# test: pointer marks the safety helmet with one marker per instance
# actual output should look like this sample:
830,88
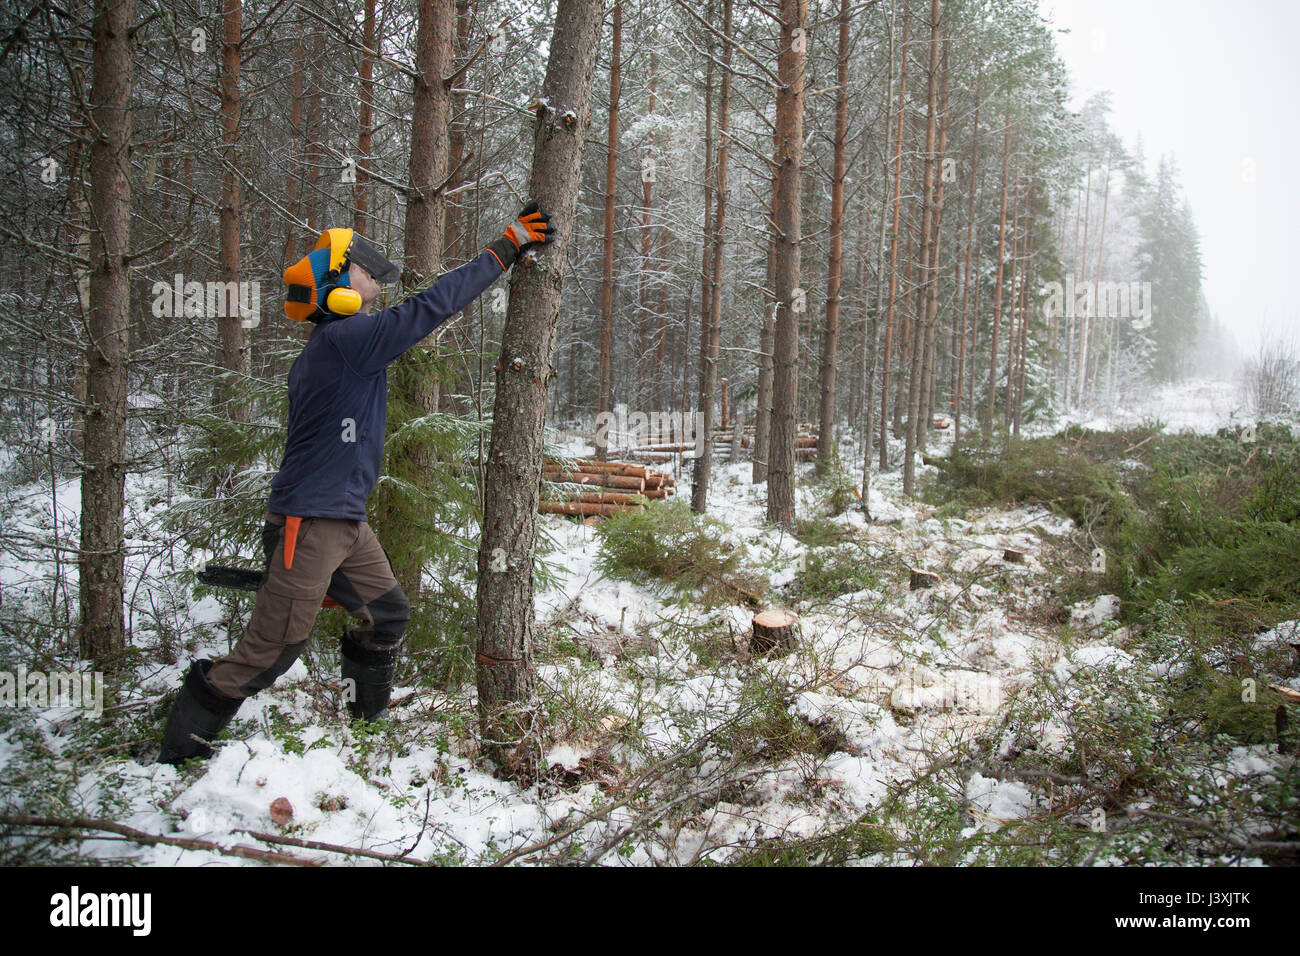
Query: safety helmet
319,287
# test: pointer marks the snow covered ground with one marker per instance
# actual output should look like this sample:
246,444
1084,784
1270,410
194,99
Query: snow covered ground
1200,406
657,711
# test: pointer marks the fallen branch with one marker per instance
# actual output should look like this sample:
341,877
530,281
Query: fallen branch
153,839
331,848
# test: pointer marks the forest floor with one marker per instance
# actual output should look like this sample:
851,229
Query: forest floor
878,739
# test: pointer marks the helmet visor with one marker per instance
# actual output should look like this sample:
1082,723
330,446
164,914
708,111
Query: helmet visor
372,260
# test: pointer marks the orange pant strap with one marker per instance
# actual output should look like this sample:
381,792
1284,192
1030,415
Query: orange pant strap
290,540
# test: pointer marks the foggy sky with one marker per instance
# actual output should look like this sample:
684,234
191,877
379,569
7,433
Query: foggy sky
1215,84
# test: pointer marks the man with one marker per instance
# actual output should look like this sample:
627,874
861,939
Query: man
316,539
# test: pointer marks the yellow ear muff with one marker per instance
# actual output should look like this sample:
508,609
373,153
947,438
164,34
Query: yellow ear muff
343,301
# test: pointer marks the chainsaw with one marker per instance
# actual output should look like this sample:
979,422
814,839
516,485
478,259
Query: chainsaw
244,579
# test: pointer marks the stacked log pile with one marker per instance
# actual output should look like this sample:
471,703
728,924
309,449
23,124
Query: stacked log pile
600,488
805,443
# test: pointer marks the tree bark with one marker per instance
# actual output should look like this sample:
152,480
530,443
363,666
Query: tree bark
929,275
785,347
403,524
997,288
365,120
831,340
509,718
893,251
102,631
766,333
234,338
959,395
930,369
652,373
604,398
711,342
293,186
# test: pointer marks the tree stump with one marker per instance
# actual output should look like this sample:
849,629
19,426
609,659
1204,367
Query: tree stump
773,631
1012,556
923,579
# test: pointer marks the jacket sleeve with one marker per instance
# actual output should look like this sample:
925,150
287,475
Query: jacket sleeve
370,342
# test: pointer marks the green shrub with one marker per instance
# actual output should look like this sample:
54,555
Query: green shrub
834,486
819,532
668,543
828,573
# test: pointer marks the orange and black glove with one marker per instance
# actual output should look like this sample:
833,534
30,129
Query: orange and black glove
532,228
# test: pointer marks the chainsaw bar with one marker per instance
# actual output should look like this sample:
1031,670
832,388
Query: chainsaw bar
243,579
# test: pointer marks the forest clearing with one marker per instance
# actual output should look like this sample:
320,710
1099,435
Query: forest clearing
646,433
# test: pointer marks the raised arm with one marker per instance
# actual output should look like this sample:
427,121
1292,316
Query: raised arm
372,341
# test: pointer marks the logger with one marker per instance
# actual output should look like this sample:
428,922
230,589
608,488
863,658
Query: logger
316,540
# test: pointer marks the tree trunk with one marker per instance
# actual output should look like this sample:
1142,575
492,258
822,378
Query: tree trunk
1101,249
1017,275
1026,316
893,251
929,370
959,395
869,399
402,523
1081,366
652,376
997,288
785,347
711,342
929,275
831,342
294,184
604,398
366,120
234,338
102,632
766,334
509,716
456,244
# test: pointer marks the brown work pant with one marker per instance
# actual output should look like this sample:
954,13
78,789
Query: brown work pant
336,557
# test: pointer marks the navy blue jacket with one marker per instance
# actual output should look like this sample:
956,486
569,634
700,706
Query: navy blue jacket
338,396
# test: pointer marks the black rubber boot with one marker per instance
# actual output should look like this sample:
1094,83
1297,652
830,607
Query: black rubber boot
199,714
371,672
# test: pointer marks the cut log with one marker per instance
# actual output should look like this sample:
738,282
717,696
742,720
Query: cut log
582,508
672,446
600,497
1288,692
923,579
774,631
626,482
1012,556
806,441
598,468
